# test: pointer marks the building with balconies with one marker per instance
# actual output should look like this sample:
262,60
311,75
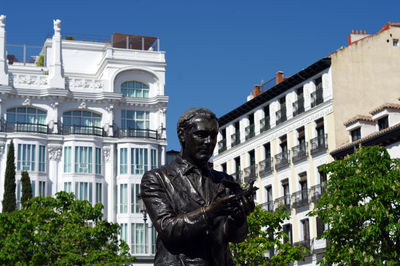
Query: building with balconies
87,117
289,125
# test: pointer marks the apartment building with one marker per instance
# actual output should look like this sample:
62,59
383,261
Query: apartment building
289,126
87,117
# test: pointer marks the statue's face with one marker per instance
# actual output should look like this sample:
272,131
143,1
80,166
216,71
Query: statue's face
200,140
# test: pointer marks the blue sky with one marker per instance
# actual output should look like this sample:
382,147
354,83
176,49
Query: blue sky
216,50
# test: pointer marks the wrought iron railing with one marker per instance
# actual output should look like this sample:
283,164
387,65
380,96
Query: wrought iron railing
82,130
316,192
265,124
25,127
221,145
298,106
300,198
249,131
283,201
266,166
250,174
317,97
281,159
235,139
138,133
319,143
281,116
299,152
237,177
268,206
303,243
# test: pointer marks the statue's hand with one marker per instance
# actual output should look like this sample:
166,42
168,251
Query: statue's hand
222,206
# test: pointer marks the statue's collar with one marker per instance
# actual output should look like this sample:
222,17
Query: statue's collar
185,166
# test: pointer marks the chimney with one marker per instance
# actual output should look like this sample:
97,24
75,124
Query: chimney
256,90
279,77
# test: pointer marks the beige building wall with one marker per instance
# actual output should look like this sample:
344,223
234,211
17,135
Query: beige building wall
364,75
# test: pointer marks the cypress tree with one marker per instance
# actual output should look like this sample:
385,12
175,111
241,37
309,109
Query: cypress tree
9,200
26,187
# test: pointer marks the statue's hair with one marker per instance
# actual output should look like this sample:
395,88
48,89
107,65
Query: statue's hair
186,119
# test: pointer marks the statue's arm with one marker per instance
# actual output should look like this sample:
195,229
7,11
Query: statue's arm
171,227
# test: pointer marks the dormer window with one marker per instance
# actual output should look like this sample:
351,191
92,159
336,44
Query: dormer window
383,123
135,89
356,134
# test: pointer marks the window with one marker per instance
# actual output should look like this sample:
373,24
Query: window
281,114
237,165
26,119
67,187
306,229
269,199
395,42
286,192
99,193
135,89
98,161
42,158
26,157
42,188
124,232
82,122
135,191
67,160
317,95
83,191
153,160
287,229
235,137
139,160
267,150
265,122
139,238
356,134
320,227
383,123
33,188
153,240
123,161
135,123
83,159
249,130
298,106
18,201
123,198
223,167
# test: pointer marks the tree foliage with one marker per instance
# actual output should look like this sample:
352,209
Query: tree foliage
362,208
26,187
61,231
266,234
9,199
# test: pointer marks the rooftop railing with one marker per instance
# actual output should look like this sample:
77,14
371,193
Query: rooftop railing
23,53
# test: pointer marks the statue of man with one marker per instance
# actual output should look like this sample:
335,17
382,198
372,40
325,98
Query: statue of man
196,211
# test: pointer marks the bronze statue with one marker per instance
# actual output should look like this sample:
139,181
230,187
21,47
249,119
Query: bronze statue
196,211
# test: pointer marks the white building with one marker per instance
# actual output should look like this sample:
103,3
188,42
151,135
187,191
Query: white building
90,119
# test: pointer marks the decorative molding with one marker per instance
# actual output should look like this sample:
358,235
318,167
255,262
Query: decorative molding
27,101
2,148
54,153
82,83
82,105
27,79
107,153
54,105
110,108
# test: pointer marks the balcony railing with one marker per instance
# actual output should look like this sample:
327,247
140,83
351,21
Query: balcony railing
25,127
264,124
316,192
268,206
299,152
138,133
281,159
221,145
249,131
300,198
319,144
250,174
266,167
281,116
317,97
237,177
283,201
303,243
235,139
82,130
298,106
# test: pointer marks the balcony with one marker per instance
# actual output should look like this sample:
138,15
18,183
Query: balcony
235,139
317,97
283,201
268,206
300,198
25,127
316,192
298,106
264,124
319,144
221,146
281,159
299,152
281,116
303,243
266,167
82,130
250,174
138,133
249,132
237,177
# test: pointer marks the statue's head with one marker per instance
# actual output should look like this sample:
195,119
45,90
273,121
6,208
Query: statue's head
197,130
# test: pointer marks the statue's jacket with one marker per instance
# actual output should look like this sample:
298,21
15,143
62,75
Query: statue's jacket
185,235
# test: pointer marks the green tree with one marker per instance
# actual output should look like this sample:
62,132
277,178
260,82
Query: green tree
266,234
362,208
60,231
9,200
26,187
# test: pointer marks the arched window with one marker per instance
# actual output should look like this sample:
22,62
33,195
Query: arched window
26,119
82,122
135,89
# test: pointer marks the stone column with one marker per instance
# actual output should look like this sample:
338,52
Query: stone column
54,152
56,73
3,57
163,154
108,199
